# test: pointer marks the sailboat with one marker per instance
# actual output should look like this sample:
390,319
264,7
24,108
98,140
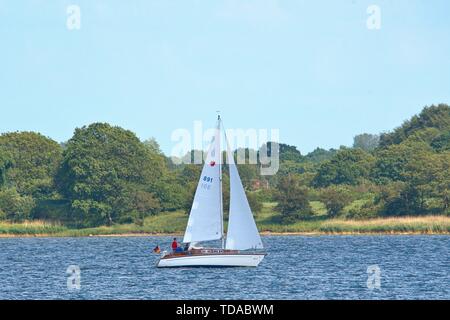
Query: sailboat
242,246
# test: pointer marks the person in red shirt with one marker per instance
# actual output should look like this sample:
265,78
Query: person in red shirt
174,244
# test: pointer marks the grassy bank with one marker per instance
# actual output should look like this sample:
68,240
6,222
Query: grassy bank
267,220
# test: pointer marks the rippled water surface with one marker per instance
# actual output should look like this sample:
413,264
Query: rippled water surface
297,267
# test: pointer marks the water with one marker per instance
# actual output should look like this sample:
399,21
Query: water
297,267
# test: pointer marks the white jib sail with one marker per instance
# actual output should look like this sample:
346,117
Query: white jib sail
242,231
205,219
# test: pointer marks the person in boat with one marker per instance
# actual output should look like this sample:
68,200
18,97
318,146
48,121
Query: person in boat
186,247
174,245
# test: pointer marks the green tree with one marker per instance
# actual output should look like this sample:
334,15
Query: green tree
391,162
292,198
441,185
137,204
398,198
153,145
172,195
188,178
418,175
254,202
428,175
34,160
5,164
366,141
442,141
190,173
348,166
15,207
286,152
103,171
335,199
248,174
320,155
431,117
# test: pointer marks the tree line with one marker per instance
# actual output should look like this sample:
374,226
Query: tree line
403,172
105,175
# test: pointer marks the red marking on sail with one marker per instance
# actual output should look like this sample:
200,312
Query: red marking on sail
212,163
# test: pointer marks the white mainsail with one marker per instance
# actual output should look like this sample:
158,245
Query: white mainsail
242,231
206,218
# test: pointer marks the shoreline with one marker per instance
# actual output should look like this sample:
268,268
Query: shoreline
264,233
174,224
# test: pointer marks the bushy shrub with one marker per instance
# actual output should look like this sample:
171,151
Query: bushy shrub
335,199
14,206
265,195
397,199
292,198
254,202
367,211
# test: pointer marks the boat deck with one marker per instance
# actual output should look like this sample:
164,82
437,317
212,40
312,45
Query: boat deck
209,251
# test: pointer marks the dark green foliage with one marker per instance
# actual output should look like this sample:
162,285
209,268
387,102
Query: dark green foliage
292,198
249,174
367,142
399,198
335,199
153,146
391,162
265,195
254,202
34,160
441,142
367,211
106,173
5,164
423,177
320,155
286,152
437,117
53,210
171,194
189,174
136,204
188,179
15,207
348,166
187,202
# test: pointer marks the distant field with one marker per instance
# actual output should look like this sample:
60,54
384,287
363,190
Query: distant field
267,221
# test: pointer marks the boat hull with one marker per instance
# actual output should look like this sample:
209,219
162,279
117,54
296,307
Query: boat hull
212,260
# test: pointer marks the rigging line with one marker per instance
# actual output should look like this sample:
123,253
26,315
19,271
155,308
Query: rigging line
228,150
221,183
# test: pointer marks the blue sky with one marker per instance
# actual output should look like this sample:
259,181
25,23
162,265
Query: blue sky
309,68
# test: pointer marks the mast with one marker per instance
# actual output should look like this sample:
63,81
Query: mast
220,185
